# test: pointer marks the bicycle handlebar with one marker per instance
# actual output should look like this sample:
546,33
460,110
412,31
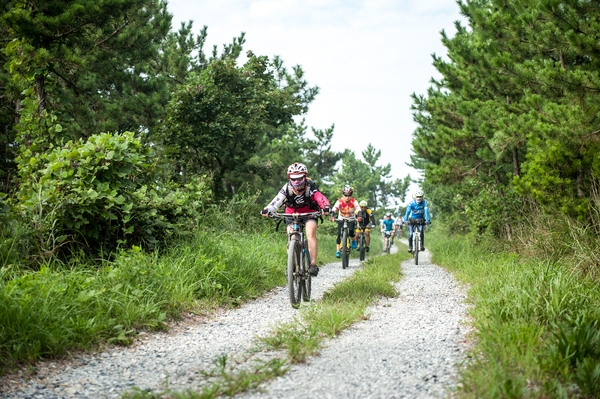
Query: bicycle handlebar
348,218
278,215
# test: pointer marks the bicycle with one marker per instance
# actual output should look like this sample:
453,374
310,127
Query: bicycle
387,240
416,239
346,244
298,279
362,241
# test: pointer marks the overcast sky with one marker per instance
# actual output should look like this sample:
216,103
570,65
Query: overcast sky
366,56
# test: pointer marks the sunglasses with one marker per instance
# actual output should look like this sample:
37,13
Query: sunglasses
297,179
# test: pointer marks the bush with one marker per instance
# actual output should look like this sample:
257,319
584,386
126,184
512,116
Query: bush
102,192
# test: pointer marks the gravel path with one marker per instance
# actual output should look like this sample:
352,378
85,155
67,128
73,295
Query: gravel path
409,348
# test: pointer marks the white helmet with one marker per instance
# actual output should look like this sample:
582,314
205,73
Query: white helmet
419,196
297,169
363,203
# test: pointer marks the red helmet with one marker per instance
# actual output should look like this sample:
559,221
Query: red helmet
347,190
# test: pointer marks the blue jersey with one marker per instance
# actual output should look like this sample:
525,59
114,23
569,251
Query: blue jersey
389,224
417,211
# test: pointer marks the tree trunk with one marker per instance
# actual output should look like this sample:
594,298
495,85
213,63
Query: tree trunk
40,88
580,190
516,165
507,226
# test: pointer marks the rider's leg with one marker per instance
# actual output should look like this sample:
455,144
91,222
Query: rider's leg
338,240
422,232
368,237
392,238
311,236
410,237
352,232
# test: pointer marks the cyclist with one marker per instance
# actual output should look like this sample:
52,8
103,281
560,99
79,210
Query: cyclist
300,195
387,224
417,209
366,219
398,225
346,206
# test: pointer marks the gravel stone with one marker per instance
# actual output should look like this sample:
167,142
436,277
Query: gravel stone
409,347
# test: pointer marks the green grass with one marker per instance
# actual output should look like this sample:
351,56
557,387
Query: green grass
78,306
81,305
340,307
537,324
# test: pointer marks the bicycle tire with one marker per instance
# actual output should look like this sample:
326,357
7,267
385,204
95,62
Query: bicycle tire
362,246
416,245
345,254
307,281
294,277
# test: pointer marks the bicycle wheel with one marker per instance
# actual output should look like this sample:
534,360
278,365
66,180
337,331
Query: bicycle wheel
363,250
306,282
294,275
345,250
416,245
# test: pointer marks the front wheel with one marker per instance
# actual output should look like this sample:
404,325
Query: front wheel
416,246
294,273
345,250
307,282
362,247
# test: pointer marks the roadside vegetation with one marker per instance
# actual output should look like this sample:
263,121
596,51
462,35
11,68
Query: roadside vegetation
536,320
341,306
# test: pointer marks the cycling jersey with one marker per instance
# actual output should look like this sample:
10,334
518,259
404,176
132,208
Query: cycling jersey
388,224
417,211
367,217
346,206
307,201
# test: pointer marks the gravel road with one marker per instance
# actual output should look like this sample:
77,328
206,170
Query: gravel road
408,348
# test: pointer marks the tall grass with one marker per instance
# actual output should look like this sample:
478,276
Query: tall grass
77,306
537,323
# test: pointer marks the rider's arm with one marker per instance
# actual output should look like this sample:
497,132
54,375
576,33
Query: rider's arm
427,218
320,199
279,199
407,214
336,207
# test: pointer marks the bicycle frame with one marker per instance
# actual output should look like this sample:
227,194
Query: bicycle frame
346,247
299,280
417,232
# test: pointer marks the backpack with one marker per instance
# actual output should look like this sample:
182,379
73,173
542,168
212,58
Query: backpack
309,185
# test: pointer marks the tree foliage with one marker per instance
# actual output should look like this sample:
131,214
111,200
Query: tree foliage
217,120
515,116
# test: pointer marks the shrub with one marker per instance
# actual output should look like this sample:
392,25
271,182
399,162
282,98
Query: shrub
101,192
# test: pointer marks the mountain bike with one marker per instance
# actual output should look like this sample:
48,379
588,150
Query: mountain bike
387,241
298,279
346,241
362,241
417,233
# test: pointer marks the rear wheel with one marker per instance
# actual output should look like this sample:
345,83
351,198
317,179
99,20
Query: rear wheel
294,275
345,254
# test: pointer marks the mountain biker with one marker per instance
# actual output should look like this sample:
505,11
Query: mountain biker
346,206
300,195
387,224
366,217
398,225
417,209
